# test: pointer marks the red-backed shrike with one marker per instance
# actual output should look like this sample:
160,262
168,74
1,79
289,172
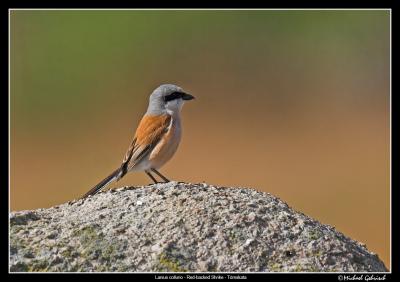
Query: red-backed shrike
157,136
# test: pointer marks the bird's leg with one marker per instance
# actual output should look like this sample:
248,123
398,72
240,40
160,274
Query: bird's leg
160,175
151,176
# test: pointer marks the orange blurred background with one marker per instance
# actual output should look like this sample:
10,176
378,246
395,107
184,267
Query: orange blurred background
294,103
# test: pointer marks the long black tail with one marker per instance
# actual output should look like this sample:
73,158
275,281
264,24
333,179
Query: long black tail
113,176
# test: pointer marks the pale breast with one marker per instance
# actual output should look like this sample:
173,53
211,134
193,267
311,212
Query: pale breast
167,146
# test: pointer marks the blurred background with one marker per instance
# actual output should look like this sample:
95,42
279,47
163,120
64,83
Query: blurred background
294,103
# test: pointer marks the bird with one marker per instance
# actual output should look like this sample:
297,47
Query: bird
156,139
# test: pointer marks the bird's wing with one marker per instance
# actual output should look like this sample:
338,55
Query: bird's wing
149,132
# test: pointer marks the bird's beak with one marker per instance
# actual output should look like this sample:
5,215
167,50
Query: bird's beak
186,96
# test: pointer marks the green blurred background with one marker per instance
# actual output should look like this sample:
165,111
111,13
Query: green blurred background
294,103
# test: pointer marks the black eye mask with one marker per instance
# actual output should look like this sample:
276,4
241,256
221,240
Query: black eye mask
177,95
173,96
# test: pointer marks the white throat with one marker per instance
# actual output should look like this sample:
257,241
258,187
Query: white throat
174,107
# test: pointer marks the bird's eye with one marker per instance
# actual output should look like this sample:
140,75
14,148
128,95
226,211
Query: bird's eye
172,96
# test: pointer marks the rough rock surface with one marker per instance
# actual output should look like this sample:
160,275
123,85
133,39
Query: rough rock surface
180,227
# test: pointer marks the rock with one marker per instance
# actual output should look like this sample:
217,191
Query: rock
180,227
